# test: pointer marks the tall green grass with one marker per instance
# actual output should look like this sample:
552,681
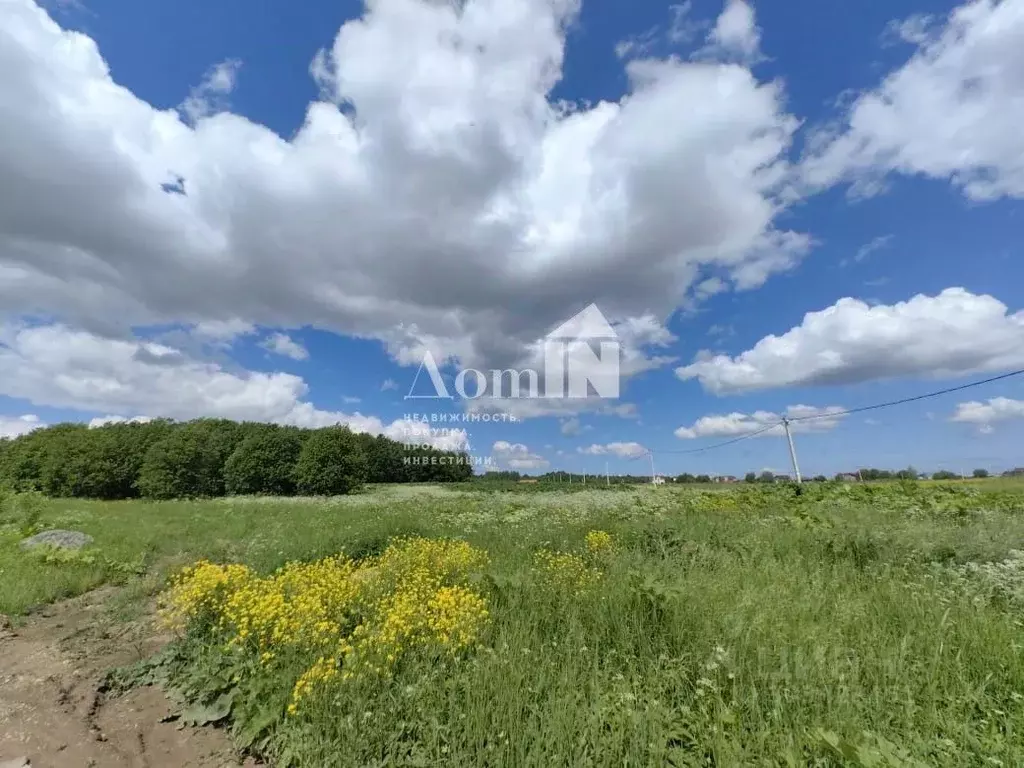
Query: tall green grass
711,642
835,629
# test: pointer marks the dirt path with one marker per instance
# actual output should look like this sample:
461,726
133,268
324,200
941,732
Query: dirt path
52,711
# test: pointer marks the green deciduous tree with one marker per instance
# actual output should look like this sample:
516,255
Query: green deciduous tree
189,460
331,463
113,458
384,459
264,462
60,453
205,457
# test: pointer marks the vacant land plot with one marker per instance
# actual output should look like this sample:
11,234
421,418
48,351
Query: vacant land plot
849,625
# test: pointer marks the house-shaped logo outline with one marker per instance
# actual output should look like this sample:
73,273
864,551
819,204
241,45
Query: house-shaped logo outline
588,323
580,332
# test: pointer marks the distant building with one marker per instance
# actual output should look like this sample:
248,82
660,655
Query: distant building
658,480
782,478
725,479
1018,472
847,477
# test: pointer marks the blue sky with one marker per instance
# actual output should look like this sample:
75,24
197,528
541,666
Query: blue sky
707,174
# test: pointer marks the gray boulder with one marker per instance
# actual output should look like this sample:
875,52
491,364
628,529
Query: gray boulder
59,539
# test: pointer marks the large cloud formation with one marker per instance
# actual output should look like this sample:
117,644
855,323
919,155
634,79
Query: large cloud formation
809,419
952,112
74,369
435,198
953,333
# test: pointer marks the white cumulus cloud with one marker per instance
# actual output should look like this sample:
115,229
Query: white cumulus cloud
283,344
953,111
622,450
735,34
64,368
517,456
210,95
13,426
439,196
953,333
738,424
985,415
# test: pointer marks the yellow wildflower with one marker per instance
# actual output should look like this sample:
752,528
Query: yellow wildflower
599,542
566,570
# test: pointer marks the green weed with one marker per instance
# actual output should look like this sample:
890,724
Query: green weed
856,625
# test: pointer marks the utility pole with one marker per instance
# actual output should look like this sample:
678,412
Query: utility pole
792,450
607,477
584,478
651,455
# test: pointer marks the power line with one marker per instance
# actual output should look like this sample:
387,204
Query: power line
831,415
739,439
834,414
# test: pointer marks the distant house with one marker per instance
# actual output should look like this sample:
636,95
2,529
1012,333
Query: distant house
726,479
782,478
847,477
658,480
1018,472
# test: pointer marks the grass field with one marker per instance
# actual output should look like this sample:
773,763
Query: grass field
852,625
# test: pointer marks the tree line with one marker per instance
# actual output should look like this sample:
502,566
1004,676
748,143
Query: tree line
557,478
870,474
163,459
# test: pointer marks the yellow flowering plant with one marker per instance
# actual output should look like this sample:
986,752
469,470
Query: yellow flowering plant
346,618
302,604
575,572
599,543
200,591
566,571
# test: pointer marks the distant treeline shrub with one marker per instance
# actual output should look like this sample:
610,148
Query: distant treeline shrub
212,457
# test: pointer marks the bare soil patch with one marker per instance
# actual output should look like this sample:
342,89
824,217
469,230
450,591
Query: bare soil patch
56,713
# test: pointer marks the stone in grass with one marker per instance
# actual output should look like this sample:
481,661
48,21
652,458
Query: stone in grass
58,539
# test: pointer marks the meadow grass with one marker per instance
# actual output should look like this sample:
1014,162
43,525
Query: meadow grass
730,627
